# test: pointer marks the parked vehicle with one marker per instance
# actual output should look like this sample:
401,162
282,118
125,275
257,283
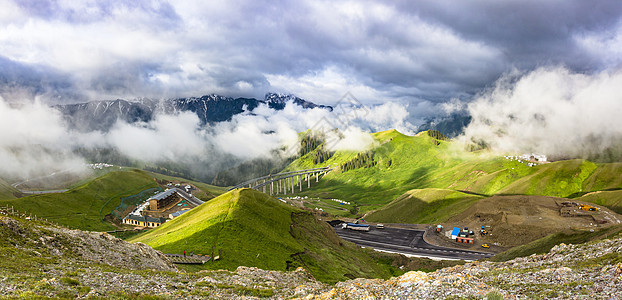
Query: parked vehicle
352,226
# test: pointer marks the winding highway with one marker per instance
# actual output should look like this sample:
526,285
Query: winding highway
405,241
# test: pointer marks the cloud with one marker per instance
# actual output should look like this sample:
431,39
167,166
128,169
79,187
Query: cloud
38,142
404,61
354,139
33,139
257,134
383,52
166,138
552,111
605,45
527,39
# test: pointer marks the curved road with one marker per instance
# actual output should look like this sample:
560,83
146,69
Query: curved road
41,192
28,192
405,241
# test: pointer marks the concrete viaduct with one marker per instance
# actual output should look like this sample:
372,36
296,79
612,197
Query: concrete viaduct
286,182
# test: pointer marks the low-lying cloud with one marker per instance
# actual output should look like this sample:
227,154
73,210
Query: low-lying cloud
32,139
552,111
39,142
167,137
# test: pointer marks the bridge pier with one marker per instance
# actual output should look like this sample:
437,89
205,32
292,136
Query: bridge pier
285,182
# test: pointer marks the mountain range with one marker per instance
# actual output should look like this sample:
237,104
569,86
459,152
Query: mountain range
102,115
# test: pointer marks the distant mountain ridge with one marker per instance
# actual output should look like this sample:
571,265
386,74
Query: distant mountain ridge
452,125
102,115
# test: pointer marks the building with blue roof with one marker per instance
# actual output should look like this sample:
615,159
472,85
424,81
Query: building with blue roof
455,232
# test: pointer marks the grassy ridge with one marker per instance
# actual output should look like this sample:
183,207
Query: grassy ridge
404,163
559,179
424,206
7,191
84,206
254,229
606,176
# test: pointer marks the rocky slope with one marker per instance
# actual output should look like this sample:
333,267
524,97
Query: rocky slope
35,239
587,271
43,260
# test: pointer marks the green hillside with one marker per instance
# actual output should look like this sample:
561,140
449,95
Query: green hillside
7,191
85,206
605,177
423,206
559,179
253,229
400,163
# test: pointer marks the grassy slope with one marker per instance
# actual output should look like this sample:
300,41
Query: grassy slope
244,223
6,190
254,229
424,206
84,206
411,159
560,179
605,177
418,162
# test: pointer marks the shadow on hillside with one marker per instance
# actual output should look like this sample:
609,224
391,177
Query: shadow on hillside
369,192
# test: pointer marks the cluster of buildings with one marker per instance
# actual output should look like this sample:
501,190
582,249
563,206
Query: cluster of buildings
462,235
99,166
531,159
162,207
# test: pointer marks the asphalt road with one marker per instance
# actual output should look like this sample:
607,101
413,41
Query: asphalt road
405,241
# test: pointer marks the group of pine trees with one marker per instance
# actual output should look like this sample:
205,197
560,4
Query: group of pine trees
309,142
321,155
437,136
362,160
313,141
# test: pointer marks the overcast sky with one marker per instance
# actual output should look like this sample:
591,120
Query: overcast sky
419,53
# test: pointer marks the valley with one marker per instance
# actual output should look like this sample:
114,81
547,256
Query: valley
310,150
412,192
